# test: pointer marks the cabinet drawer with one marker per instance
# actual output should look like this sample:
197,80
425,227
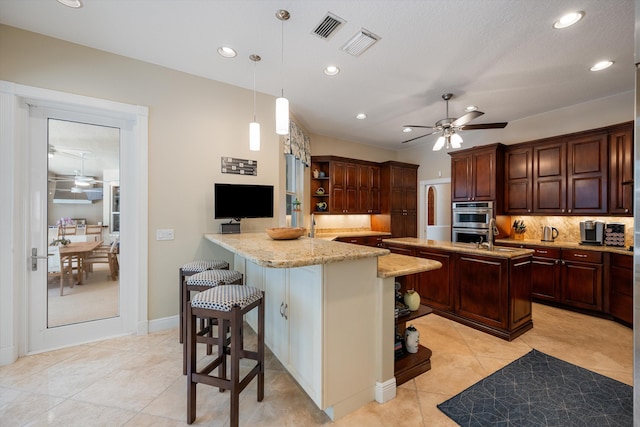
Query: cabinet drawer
582,256
622,261
544,252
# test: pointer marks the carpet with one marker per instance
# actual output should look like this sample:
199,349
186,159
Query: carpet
540,390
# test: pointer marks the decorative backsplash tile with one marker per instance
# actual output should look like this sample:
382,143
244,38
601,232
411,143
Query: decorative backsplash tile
568,226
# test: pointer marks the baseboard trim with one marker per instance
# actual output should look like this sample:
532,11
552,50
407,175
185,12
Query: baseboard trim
163,324
8,355
386,391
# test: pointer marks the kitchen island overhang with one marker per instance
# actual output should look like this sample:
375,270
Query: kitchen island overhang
329,313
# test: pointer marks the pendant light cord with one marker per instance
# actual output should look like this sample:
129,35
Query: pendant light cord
282,58
254,91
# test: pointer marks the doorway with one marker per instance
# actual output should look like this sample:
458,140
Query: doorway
23,314
435,216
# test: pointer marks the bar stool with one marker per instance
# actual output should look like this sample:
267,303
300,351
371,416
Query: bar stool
228,304
203,281
189,269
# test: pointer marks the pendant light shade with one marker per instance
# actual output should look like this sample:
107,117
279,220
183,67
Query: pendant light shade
448,139
456,141
439,144
282,103
254,136
254,126
282,116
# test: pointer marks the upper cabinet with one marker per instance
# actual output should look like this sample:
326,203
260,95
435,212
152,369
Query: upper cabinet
584,173
476,174
344,186
399,199
621,170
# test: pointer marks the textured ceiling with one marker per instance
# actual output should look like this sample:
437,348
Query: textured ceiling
501,55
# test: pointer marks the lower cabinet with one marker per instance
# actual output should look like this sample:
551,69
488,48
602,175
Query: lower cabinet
582,279
545,280
621,287
436,286
362,240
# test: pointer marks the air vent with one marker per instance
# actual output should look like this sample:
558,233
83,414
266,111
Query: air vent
328,25
362,41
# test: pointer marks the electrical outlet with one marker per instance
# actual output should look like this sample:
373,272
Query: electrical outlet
164,234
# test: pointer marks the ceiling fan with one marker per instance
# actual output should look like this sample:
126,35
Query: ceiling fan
79,179
449,127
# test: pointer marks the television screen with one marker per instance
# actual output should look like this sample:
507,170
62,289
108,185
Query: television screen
242,201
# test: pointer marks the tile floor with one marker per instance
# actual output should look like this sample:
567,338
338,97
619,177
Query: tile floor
137,381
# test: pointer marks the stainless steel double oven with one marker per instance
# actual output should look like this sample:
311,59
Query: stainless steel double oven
471,221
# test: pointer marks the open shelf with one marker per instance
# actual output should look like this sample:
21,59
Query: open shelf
410,365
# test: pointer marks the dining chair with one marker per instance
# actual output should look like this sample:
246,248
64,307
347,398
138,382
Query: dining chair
105,254
57,267
69,230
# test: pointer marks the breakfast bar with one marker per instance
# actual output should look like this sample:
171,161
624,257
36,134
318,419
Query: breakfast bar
329,315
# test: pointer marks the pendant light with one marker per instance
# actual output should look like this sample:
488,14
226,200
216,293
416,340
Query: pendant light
282,103
254,126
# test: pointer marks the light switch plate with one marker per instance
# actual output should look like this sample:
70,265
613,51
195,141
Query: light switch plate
164,234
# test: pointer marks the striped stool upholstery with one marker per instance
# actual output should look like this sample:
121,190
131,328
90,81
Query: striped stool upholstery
199,282
189,269
228,304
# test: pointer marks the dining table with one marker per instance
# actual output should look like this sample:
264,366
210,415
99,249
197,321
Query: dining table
78,251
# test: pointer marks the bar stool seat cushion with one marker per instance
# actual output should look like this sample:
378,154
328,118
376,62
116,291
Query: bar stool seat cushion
204,264
224,298
214,278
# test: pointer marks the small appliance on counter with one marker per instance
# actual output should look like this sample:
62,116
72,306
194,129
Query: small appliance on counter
614,234
549,233
592,233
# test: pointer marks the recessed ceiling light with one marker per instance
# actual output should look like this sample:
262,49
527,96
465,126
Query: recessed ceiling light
470,108
568,20
601,65
227,52
361,116
407,130
331,70
71,3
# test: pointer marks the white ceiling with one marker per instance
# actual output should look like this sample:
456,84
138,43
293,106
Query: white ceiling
501,55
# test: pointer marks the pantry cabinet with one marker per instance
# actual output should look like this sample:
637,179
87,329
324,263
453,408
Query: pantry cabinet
368,188
399,200
621,177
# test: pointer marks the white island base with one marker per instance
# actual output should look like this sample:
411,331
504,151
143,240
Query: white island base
329,315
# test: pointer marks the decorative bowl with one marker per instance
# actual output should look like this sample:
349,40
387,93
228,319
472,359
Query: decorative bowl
285,233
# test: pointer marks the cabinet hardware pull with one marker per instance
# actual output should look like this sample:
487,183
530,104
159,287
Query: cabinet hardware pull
556,261
286,308
563,262
281,309
579,255
542,252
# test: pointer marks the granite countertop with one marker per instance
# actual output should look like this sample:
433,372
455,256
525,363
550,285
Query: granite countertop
394,265
566,245
334,234
264,251
470,248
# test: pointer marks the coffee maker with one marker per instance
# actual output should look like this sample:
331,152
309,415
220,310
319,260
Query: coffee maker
592,233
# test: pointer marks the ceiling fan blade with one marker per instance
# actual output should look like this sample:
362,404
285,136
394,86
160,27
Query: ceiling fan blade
418,137
462,120
499,125
419,126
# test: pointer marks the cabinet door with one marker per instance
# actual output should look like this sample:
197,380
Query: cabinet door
621,287
545,280
621,171
484,176
461,178
482,284
518,176
434,286
549,178
338,190
368,189
587,174
582,279
305,328
276,325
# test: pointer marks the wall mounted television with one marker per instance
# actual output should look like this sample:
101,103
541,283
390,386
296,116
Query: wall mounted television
236,201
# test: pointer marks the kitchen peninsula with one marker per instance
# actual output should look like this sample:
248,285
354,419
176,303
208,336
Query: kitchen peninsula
329,315
486,289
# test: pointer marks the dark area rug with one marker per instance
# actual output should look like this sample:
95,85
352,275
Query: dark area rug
540,390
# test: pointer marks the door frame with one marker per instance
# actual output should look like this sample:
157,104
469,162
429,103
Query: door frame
422,202
14,216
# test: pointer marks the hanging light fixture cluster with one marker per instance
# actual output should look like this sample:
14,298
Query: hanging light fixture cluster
448,139
282,103
254,126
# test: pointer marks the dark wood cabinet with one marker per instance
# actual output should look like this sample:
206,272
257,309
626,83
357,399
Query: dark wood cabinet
518,192
546,273
435,286
368,188
399,200
587,174
362,240
344,187
620,284
549,177
621,170
582,279
477,174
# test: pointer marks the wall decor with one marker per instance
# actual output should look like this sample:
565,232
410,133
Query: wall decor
239,166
